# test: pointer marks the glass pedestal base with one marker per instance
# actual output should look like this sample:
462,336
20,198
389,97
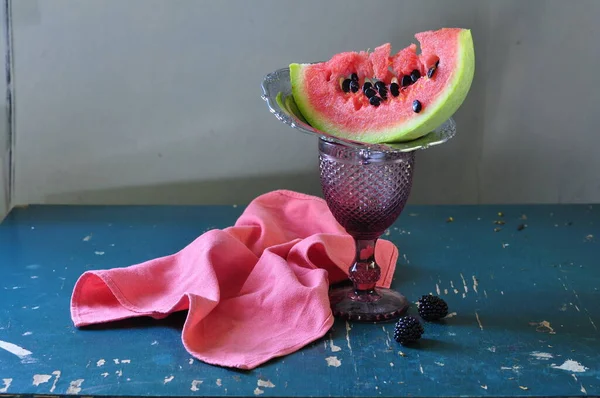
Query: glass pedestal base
378,305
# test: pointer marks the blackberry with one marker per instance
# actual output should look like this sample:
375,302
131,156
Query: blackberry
432,308
408,330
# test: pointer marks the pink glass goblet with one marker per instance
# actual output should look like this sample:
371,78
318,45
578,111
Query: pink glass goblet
366,190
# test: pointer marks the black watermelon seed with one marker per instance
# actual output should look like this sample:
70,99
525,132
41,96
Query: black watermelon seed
406,81
370,93
353,86
379,85
346,85
366,86
394,89
383,93
415,75
417,106
430,72
375,101
437,63
354,77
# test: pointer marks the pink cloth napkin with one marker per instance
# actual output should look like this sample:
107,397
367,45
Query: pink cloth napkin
254,291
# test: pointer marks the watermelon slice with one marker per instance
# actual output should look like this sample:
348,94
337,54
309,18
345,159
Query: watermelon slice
421,91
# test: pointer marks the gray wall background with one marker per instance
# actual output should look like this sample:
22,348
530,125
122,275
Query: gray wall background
4,128
147,101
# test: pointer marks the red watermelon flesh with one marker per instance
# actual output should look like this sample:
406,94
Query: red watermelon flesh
380,59
319,94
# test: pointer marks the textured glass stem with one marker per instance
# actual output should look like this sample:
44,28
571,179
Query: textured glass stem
365,272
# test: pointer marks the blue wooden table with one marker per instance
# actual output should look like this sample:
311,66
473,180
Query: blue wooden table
522,287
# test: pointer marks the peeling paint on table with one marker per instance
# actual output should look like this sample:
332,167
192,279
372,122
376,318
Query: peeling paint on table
41,379
522,297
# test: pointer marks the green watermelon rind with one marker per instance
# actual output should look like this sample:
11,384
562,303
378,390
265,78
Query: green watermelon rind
288,104
446,104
